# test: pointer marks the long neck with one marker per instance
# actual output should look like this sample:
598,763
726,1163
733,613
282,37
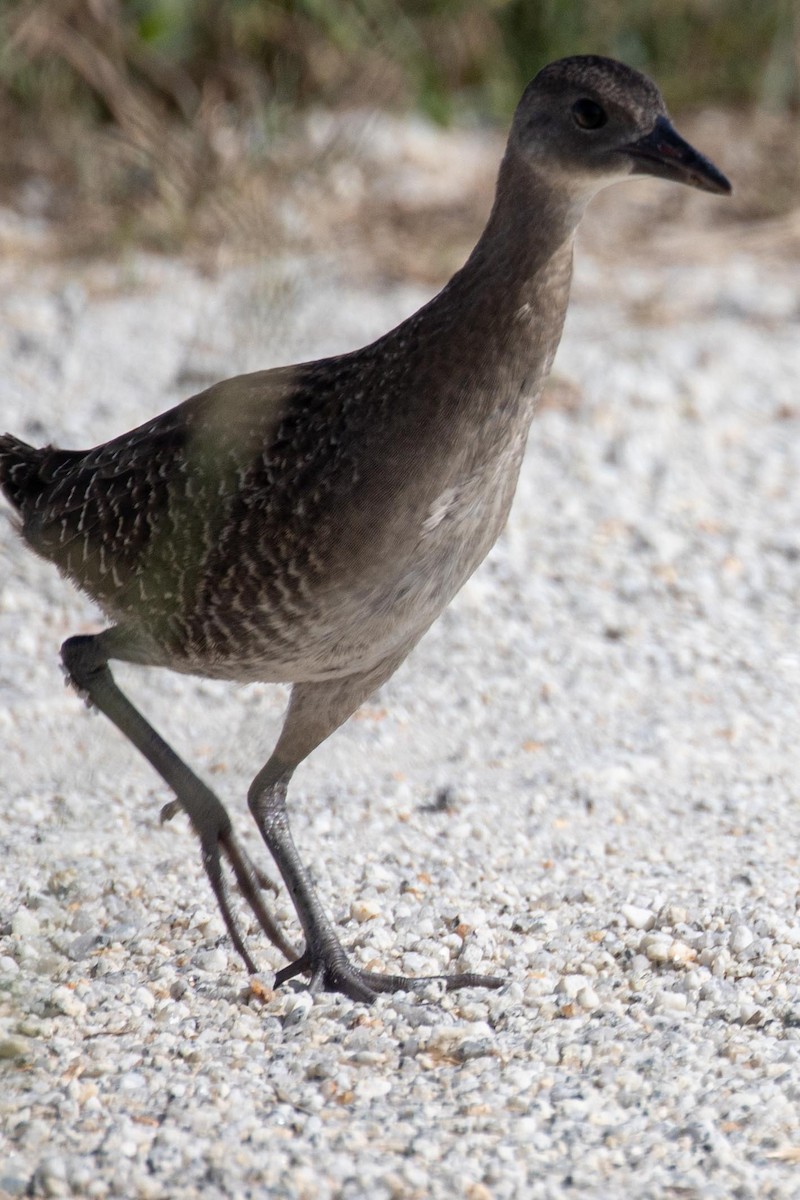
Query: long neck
531,222
497,323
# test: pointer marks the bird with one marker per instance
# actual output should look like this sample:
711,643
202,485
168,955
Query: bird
307,524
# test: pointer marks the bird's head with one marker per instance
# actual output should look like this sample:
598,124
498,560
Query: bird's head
588,121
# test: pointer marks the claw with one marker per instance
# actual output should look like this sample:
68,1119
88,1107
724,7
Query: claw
265,881
298,967
80,692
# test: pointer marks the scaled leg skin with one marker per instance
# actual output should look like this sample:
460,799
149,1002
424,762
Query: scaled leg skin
86,664
315,710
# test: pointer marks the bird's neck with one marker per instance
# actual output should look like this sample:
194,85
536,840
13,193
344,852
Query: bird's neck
502,314
533,220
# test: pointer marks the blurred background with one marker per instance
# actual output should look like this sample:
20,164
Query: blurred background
166,124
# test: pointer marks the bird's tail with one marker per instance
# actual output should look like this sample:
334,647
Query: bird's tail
19,465
26,472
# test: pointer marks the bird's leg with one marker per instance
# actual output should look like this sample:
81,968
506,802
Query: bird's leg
87,668
312,710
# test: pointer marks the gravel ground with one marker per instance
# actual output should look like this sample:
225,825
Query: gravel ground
585,779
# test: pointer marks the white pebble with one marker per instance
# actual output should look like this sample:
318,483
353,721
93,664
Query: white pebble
672,1001
297,1008
638,918
364,910
661,948
656,946
741,938
470,957
24,924
681,954
214,961
448,1038
144,997
570,985
64,1000
639,964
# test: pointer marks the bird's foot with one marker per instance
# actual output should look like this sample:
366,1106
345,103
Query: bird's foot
332,971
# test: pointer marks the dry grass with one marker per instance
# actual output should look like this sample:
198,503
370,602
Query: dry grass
411,213
215,171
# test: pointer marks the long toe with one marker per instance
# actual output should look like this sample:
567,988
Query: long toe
403,983
332,971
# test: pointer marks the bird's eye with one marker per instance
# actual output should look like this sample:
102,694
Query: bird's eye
587,114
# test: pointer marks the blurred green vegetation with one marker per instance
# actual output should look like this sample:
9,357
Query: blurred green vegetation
441,56
142,120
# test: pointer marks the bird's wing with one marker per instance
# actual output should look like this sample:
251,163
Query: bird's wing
97,514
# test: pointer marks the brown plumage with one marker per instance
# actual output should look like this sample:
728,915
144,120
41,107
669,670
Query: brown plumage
307,524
